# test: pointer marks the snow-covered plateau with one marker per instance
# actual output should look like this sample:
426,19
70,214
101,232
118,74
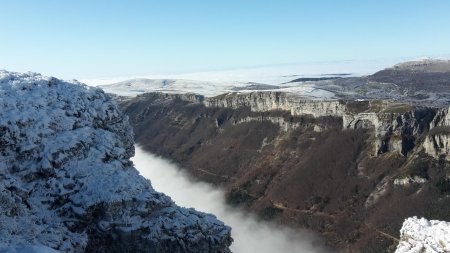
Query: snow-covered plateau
134,87
67,182
348,80
213,83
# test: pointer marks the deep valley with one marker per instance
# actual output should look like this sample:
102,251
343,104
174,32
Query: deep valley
349,170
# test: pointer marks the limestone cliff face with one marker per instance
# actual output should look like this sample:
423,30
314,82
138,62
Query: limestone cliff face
280,121
67,181
395,126
266,101
437,142
347,174
367,120
442,118
395,129
394,132
438,145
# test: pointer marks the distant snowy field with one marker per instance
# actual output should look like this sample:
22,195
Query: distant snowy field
218,82
134,87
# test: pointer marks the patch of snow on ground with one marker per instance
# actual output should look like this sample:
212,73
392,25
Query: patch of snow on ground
424,236
134,87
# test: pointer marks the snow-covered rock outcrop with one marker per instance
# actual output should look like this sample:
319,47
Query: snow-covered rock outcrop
424,236
26,249
67,181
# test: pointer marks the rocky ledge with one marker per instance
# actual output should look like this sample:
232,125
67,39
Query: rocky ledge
396,125
68,183
352,175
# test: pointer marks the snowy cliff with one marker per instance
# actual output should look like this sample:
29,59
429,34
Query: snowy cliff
68,182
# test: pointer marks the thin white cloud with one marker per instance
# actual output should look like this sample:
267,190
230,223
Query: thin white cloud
250,235
273,74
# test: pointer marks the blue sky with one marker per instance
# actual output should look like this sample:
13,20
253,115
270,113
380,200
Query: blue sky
88,38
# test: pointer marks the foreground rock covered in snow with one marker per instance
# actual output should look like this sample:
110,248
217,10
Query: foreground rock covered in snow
424,236
26,249
68,182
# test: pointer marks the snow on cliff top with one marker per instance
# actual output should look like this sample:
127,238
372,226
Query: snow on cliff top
425,65
424,236
67,178
213,83
134,87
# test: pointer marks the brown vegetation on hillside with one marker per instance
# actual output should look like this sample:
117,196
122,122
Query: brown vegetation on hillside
323,180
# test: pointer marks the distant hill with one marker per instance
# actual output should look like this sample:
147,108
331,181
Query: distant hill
422,75
425,65
420,82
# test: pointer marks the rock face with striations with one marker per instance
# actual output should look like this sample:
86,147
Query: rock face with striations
67,181
437,142
266,101
352,175
395,125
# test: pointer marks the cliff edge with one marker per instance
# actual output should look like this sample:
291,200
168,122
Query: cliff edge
350,170
68,182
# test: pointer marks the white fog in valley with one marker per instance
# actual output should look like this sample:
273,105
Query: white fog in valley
249,234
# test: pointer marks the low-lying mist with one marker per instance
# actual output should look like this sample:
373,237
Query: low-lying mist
249,234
